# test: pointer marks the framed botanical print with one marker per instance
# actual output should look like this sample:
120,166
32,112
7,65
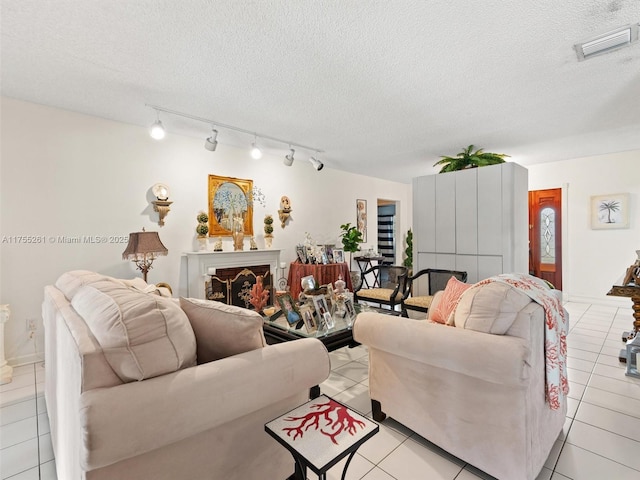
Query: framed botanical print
361,218
610,211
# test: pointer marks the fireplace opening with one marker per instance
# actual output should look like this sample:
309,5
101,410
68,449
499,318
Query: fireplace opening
233,285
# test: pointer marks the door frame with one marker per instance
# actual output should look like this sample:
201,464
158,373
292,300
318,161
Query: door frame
564,232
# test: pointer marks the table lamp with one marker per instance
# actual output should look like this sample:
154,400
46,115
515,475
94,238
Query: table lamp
142,249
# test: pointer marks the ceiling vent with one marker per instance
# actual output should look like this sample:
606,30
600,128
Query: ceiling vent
607,42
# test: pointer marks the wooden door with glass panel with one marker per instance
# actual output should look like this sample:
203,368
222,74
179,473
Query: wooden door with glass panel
545,238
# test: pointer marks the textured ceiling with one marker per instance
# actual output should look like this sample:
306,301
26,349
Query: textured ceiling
383,87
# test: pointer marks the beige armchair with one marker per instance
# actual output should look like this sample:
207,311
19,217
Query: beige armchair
162,416
479,396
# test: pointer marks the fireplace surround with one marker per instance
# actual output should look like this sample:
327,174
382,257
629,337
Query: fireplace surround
207,272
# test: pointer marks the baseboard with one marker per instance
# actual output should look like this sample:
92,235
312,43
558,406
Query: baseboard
26,359
619,302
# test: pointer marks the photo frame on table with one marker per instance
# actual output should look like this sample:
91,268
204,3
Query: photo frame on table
361,218
610,211
308,315
301,252
289,308
350,309
322,309
329,251
338,255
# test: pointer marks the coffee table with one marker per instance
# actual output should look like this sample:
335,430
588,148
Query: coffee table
277,330
320,433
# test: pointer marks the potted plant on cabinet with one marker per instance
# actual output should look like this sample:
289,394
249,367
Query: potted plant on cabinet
467,158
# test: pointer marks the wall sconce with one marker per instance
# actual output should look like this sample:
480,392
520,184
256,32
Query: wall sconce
285,210
161,204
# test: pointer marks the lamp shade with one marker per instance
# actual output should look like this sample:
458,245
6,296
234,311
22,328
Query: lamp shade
143,245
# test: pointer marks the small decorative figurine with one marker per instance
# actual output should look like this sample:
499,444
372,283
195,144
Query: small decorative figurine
285,210
217,247
252,243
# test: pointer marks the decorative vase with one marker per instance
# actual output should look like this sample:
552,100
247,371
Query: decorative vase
238,240
202,243
268,240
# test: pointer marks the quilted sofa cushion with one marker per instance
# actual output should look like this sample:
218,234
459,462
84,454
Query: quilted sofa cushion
490,308
222,330
142,335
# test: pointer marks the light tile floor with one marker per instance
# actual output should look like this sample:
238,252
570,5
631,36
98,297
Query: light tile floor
600,439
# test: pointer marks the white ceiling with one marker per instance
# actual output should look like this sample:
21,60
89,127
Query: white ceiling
383,87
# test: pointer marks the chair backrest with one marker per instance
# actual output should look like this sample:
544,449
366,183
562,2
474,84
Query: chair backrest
438,278
391,275
384,276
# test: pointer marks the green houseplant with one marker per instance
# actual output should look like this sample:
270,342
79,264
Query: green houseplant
351,237
408,261
268,230
467,158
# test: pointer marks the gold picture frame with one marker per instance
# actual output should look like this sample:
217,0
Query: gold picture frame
230,205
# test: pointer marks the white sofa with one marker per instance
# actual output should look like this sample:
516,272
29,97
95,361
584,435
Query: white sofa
140,408
479,396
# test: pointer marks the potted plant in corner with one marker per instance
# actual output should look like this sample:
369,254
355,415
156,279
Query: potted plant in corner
408,260
351,239
467,158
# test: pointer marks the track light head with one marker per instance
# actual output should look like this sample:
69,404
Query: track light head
211,143
317,164
256,153
288,159
157,130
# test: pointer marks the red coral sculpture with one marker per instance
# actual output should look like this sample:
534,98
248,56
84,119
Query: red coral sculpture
259,295
341,421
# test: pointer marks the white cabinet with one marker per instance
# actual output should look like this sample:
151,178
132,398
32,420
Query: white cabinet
474,220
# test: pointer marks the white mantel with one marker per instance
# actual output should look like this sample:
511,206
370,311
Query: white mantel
200,263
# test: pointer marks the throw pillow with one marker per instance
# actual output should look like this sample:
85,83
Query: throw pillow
444,309
142,335
222,330
490,308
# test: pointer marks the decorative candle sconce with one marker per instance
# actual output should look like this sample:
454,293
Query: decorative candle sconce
161,204
285,210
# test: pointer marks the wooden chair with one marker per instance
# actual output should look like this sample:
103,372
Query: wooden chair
437,279
382,284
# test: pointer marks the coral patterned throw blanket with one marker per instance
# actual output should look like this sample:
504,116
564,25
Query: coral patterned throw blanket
556,327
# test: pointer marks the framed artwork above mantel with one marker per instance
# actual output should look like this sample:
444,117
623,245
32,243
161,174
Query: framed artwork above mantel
230,206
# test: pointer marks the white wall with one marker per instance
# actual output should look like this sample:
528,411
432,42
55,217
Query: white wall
593,259
67,174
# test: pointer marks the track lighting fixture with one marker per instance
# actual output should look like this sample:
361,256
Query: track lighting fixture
317,164
211,143
288,159
157,130
256,153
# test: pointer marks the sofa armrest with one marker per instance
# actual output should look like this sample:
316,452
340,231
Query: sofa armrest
128,420
498,359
